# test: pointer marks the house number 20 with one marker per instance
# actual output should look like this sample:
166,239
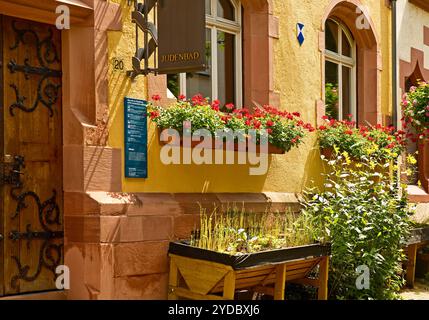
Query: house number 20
118,65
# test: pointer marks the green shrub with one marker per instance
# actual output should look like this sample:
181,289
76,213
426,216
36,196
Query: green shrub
363,211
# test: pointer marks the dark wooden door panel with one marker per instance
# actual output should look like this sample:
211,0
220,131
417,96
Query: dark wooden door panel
32,211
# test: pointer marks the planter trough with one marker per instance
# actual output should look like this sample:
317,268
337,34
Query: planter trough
208,275
219,144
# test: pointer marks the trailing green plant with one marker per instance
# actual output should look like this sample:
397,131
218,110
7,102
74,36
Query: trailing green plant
363,142
284,129
238,232
362,210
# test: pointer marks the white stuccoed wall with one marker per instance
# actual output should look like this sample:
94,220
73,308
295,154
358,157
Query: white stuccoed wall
411,20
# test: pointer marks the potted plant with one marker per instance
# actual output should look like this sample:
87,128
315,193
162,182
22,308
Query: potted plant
239,250
376,142
415,107
285,130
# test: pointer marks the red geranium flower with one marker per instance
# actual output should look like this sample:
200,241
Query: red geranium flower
154,114
215,105
156,97
230,106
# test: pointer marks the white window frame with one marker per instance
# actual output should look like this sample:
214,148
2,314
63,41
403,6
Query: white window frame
216,24
349,62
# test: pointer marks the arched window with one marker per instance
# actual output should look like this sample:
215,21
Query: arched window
222,79
340,71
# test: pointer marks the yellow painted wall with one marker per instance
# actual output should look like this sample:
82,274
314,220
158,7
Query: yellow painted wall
298,78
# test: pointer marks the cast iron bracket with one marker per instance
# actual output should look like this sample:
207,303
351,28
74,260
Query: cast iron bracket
140,16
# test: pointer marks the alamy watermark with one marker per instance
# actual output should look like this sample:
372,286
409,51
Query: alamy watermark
63,19
362,22
62,282
203,147
363,280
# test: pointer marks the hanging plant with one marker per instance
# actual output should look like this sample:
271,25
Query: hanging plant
415,106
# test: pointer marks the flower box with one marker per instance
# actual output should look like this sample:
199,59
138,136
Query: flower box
218,144
208,275
327,152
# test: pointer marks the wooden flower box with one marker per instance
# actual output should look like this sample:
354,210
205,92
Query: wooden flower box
200,274
422,265
419,238
219,144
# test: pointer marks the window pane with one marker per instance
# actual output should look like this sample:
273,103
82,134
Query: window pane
346,83
208,7
346,46
201,82
226,67
331,89
173,84
331,36
225,9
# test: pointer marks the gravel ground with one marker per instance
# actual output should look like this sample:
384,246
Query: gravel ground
419,292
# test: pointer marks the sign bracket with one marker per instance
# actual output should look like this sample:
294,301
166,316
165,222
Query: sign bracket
140,16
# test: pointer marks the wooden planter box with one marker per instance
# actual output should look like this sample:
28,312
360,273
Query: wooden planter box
419,238
327,152
219,144
207,275
422,265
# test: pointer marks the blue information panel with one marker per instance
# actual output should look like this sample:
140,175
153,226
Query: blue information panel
135,138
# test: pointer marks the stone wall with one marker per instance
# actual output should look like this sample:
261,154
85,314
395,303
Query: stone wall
117,244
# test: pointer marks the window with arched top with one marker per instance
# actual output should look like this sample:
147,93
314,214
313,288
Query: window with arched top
222,79
340,71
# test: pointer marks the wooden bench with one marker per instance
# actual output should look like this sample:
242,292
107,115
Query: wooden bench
205,280
419,238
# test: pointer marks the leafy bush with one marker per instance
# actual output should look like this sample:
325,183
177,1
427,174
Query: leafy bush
415,105
363,142
365,215
285,130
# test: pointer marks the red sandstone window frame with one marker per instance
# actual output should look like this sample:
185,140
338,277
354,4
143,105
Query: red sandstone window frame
369,61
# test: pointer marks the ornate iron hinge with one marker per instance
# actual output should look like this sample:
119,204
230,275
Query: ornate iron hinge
10,170
35,235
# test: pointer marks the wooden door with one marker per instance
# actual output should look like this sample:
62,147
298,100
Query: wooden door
31,156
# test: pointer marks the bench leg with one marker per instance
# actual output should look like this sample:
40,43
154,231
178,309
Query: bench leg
322,292
173,281
280,285
229,286
411,265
